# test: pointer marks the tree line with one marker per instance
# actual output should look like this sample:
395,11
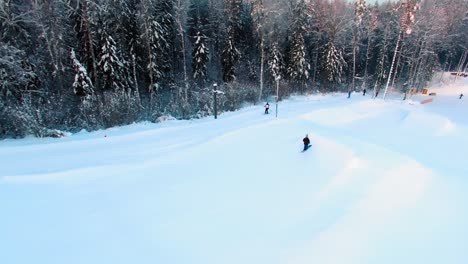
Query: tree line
92,64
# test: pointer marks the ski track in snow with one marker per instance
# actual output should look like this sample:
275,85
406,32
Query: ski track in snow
238,190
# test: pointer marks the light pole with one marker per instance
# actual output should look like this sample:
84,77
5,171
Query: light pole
215,104
277,94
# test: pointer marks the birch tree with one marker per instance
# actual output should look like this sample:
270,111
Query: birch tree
410,8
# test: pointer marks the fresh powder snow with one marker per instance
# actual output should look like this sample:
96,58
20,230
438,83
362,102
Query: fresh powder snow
384,182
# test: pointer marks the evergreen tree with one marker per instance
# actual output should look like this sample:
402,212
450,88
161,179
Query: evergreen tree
275,65
200,57
298,68
14,25
334,63
82,86
230,57
17,75
164,16
83,20
298,65
360,11
54,35
275,62
234,12
157,62
198,18
111,66
198,27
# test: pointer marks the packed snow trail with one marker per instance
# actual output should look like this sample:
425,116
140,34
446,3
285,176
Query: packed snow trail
238,190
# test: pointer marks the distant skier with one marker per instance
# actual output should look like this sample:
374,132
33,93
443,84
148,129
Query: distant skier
349,94
364,92
267,106
306,142
461,95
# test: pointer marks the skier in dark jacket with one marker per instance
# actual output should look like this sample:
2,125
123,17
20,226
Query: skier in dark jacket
364,92
306,142
267,106
461,95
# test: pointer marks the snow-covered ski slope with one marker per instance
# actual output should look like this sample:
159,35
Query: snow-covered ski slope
384,182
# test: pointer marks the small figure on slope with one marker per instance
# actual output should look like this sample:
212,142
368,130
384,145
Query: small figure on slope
461,95
364,92
267,106
306,142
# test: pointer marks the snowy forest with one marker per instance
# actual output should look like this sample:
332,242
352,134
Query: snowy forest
68,65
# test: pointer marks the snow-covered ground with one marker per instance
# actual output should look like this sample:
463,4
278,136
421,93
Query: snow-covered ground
384,182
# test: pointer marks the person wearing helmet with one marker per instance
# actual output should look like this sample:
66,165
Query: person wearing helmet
306,141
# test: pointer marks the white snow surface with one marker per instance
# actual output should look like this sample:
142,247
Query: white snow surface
384,182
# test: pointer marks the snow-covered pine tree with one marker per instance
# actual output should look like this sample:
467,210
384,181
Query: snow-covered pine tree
252,70
198,18
319,22
16,74
230,54
275,62
259,20
111,66
298,67
275,66
200,57
229,59
165,15
53,28
360,11
156,27
234,10
334,63
180,10
157,44
82,86
128,33
198,27
14,24
83,20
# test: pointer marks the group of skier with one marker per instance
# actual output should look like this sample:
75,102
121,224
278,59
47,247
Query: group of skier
305,140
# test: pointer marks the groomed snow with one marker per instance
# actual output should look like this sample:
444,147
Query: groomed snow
384,182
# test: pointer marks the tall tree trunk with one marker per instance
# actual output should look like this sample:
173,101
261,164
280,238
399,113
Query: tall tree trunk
353,81
135,79
364,83
89,39
144,6
262,62
314,73
397,46
396,70
182,41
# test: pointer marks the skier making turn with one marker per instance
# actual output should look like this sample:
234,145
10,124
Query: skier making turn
306,141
